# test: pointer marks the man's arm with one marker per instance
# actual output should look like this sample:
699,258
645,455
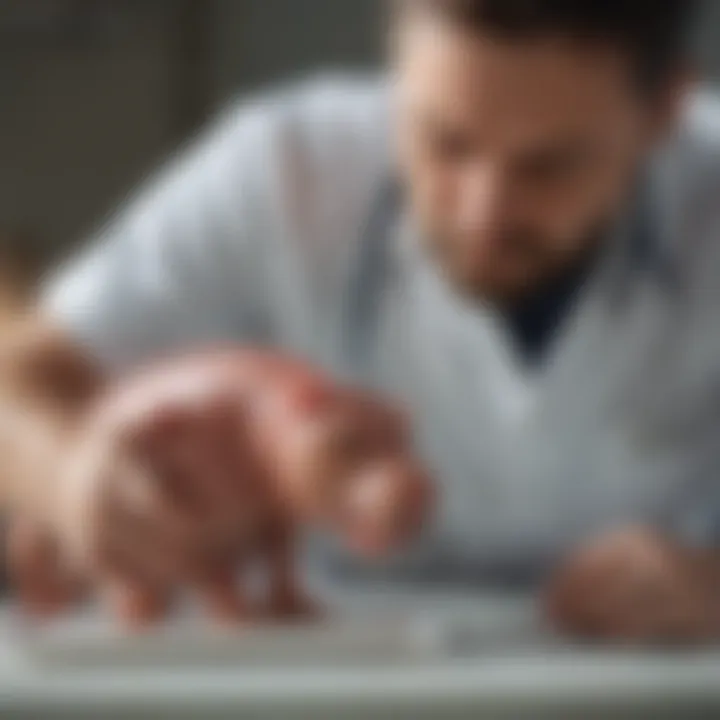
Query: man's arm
187,264
142,485
46,381
174,270
45,384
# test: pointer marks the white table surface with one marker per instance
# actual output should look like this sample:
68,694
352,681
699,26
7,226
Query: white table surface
517,681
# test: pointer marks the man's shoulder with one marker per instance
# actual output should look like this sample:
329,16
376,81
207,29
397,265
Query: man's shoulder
326,132
324,120
346,100
318,157
312,148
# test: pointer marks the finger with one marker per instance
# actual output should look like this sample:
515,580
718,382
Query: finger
42,582
150,491
644,598
125,560
671,619
387,426
684,622
361,430
160,438
609,589
139,434
605,596
226,453
339,445
154,444
138,541
285,599
134,604
145,492
637,624
165,544
578,593
193,461
300,395
613,613
341,431
223,595
136,594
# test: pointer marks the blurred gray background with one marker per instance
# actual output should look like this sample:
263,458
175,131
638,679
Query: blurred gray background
94,93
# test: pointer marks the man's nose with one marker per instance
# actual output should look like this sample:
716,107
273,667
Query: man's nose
484,200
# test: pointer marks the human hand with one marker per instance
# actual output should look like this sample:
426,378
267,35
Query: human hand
637,586
185,474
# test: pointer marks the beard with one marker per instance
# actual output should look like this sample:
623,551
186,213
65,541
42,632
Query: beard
513,265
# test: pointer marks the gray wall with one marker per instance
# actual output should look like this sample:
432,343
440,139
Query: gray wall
85,112
265,40
78,122
709,39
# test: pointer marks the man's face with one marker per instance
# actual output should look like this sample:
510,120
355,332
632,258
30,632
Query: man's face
515,152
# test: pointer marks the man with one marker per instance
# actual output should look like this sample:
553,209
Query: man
514,238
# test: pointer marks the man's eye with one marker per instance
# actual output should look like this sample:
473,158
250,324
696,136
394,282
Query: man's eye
554,167
451,147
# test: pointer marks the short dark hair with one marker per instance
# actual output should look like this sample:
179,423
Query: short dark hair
655,33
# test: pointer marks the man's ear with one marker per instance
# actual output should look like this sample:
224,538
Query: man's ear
670,103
